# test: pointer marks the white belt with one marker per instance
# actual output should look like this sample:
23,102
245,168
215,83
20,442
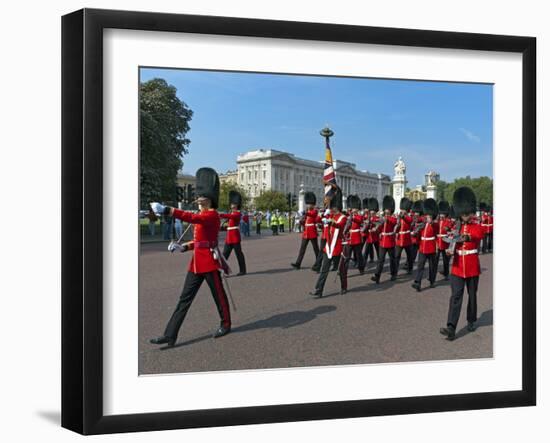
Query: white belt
442,235
310,224
427,238
387,233
467,251
230,228
355,230
483,224
404,232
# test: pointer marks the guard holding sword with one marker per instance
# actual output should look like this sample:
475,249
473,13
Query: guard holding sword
207,262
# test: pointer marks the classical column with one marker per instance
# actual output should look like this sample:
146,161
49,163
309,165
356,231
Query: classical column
301,198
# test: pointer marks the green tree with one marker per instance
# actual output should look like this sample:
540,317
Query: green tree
441,189
482,187
164,123
224,195
271,200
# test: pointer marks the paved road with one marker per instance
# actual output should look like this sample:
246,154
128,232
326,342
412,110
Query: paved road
278,325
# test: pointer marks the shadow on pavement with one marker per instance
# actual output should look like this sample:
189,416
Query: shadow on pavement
271,271
485,319
286,320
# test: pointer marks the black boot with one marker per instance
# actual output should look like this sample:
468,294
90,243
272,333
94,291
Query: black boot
416,285
221,331
472,327
343,291
295,265
316,294
449,331
375,278
163,340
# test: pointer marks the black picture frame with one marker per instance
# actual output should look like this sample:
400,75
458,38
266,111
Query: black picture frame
82,254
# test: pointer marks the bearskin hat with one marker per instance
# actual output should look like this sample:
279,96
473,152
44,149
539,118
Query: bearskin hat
464,201
444,207
208,185
336,200
235,198
430,207
483,206
353,202
388,203
418,206
452,213
310,198
405,204
366,203
373,204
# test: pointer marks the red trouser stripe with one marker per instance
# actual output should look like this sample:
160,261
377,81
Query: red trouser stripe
222,299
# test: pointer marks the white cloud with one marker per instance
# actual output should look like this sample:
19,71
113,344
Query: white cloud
470,135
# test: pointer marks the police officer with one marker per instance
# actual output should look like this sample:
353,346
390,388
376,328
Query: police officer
274,223
309,235
233,237
205,264
386,228
465,269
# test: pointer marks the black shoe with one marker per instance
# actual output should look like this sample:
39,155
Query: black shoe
241,273
343,291
416,286
472,327
315,269
432,284
221,331
449,332
393,277
375,278
163,340
334,269
316,294
446,278
295,265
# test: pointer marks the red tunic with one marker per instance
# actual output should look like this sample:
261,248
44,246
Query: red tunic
355,230
205,237
233,232
404,234
387,236
372,237
335,235
445,225
428,239
466,256
487,223
310,224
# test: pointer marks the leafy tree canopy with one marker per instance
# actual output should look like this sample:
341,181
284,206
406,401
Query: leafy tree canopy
164,123
482,187
271,200
224,195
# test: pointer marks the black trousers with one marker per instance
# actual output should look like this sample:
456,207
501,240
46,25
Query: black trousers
382,258
325,268
281,228
190,288
357,252
457,294
319,259
369,251
408,252
446,260
303,246
432,270
259,228
487,244
414,252
238,252
275,229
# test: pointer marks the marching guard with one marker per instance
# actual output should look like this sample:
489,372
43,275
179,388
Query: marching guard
403,235
417,211
355,241
207,260
333,248
309,235
427,245
386,227
465,269
487,225
371,232
233,237
445,225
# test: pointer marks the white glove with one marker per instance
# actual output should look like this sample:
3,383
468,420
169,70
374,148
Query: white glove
157,207
327,212
175,246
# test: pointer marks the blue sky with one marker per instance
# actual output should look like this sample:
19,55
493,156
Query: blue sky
447,127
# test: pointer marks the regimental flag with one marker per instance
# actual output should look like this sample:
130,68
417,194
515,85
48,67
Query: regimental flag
329,176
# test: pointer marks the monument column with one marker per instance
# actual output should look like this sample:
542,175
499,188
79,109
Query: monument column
301,199
431,188
399,182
